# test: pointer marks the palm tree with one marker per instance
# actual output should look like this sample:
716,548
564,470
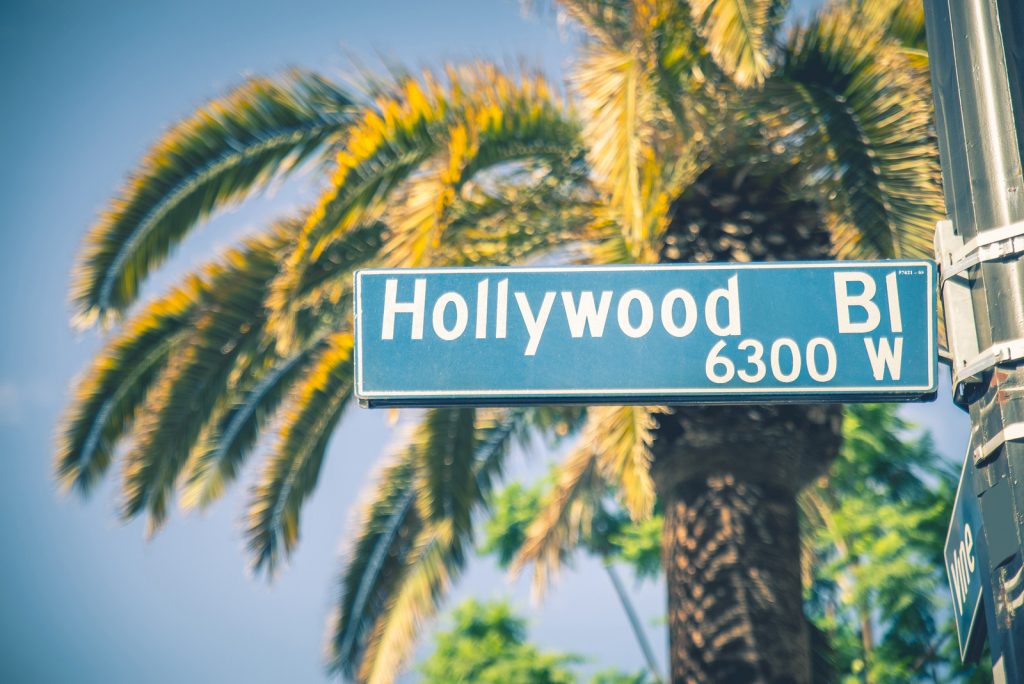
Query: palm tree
695,131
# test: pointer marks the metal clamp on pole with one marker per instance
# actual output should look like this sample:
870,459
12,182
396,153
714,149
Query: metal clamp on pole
999,353
954,257
1014,432
961,331
991,245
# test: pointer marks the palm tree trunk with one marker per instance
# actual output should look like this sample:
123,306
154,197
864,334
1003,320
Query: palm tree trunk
728,479
735,600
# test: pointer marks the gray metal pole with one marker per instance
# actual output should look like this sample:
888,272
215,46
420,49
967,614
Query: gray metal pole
977,56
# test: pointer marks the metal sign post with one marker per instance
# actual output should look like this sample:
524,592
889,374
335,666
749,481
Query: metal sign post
707,333
977,66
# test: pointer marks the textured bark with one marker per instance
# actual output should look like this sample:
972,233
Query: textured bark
728,477
734,590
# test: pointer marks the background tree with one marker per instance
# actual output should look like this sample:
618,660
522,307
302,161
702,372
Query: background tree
611,536
696,131
487,644
873,530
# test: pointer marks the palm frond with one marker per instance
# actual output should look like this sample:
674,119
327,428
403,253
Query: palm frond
224,447
227,149
851,97
407,162
614,450
446,449
435,562
377,562
621,437
618,110
565,519
660,35
290,474
495,120
518,124
322,298
197,380
739,35
108,398
402,559
516,227
383,146
609,21
899,19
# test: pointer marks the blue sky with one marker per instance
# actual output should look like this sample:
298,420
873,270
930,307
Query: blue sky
83,597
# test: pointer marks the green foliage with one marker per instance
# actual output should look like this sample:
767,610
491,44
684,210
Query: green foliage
639,545
875,530
617,677
513,509
611,534
487,644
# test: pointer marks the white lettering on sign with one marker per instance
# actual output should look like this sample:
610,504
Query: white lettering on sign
689,312
732,297
646,313
587,314
461,316
393,307
501,317
794,360
885,357
845,302
893,293
785,356
755,359
534,324
961,569
830,359
481,309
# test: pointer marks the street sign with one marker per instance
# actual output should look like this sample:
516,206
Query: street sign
963,564
700,333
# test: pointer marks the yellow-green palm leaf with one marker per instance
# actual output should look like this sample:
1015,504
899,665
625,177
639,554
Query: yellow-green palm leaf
227,149
410,543
108,397
739,35
290,473
408,161
613,452
850,93
226,332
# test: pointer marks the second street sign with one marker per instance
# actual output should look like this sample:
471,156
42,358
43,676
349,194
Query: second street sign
715,333
963,565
